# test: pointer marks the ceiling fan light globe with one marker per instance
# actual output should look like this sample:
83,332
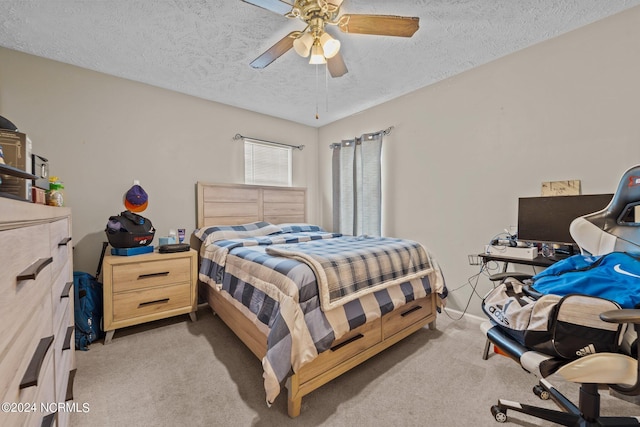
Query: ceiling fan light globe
302,45
330,46
317,55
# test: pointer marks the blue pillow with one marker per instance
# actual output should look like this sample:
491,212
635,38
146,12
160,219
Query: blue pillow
299,228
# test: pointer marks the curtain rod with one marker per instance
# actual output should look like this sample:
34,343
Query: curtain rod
358,140
238,136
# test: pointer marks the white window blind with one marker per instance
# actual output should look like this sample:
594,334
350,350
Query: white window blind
266,164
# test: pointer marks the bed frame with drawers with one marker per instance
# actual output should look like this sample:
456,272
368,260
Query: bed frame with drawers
231,204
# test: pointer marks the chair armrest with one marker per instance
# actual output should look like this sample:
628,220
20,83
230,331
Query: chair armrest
627,315
499,277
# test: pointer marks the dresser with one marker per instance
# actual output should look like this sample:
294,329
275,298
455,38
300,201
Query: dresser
142,288
37,341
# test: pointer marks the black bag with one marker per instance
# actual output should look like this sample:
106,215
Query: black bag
568,327
129,230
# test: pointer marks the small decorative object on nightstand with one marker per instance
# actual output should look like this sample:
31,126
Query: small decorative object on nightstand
142,288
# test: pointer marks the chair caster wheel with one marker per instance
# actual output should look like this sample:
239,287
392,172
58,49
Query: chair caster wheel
499,414
541,392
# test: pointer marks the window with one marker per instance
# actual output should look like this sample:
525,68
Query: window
266,164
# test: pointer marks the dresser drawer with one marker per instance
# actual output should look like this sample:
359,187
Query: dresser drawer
42,391
128,305
45,393
62,293
21,250
60,243
28,299
64,346
406,315
139,275
19,347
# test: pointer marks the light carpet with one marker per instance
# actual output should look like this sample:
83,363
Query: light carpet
175,372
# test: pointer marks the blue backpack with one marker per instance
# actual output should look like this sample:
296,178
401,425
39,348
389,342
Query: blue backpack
88,307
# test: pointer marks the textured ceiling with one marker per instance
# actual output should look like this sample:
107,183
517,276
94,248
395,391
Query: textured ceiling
204,47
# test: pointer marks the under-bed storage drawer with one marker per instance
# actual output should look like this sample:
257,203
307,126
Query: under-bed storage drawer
348,346
407,315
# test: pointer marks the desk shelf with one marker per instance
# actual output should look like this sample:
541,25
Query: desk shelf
539,261
10,170
16,173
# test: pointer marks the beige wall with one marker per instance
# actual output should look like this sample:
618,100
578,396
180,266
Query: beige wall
101,132
463,150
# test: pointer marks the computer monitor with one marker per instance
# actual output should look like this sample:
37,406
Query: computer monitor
547,219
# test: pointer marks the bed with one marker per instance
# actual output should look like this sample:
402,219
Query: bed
267,274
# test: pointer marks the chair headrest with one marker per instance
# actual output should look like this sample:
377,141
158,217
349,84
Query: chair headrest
616,227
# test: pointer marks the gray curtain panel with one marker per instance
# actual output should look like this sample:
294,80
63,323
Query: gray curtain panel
357,185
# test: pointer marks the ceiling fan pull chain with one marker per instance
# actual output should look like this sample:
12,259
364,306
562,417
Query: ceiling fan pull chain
317,116
326,86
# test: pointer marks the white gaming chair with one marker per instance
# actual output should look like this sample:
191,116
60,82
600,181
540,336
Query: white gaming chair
616,228
612,229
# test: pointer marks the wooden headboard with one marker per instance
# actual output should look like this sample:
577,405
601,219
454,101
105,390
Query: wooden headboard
233,204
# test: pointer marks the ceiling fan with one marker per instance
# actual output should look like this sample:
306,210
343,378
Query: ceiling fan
314,42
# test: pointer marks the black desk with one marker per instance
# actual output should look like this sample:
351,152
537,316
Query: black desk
539,261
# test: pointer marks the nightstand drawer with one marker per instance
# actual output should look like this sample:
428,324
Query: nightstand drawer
139,275
128,305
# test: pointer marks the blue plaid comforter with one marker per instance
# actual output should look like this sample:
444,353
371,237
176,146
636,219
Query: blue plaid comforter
352,266
283,295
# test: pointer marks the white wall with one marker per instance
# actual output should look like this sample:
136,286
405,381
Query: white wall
460,154
101,132
463,150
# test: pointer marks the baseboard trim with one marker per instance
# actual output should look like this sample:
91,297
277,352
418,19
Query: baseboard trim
467,316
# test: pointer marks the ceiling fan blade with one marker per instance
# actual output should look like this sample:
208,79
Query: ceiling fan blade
381,25
275,51
278,6
336,65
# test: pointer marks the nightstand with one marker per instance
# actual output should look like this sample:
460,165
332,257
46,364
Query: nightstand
142,288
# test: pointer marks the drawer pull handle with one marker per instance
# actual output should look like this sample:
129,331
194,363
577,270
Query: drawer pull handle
158,301
65,290
32,373
31,273
47,420
67,338
411,310
349,341
64,241
147,276
72,376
